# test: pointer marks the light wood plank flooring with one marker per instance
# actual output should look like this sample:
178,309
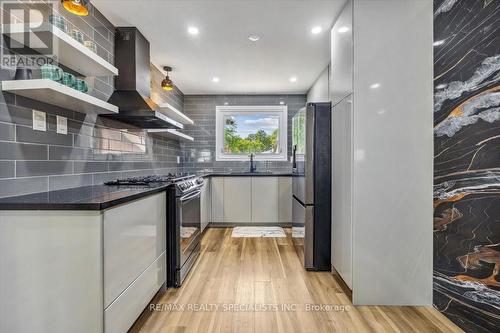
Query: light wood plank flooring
256,271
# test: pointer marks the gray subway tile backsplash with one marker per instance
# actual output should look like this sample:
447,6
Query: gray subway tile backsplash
27,134
7,169
62,182
7,132
43,168
69,153
20,186
90,167
22,151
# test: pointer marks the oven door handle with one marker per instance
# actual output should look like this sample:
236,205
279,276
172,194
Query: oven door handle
190,196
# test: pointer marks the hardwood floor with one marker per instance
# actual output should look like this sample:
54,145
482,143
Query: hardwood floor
258,271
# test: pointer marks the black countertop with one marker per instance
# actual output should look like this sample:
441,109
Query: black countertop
246,174
96,197
101,197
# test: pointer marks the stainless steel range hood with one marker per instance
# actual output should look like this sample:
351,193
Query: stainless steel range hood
133,85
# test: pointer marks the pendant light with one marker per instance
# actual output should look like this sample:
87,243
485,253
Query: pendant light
77,7
167,84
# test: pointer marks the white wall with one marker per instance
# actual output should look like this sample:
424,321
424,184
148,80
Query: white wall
319,91
393,152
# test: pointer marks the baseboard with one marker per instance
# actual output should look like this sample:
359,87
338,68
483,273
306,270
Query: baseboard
345,288
252,224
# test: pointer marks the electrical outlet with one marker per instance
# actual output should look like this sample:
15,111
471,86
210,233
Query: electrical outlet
39,121
62,125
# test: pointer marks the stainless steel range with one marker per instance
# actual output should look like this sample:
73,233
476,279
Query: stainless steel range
183,220
183,227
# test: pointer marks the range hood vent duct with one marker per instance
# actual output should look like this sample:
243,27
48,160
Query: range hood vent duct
132,92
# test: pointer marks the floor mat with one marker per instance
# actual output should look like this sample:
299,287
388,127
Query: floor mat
258,232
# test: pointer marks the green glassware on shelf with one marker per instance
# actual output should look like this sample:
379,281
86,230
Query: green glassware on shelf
69,80
81,85
52,72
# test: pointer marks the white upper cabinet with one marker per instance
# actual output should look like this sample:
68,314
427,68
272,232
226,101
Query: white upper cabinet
341,68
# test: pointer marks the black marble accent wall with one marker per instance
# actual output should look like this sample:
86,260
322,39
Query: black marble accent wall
467,162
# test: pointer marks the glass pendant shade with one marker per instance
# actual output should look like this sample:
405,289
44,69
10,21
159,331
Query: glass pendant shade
167,84
77,7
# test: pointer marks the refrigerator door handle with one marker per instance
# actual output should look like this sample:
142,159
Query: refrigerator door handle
294,157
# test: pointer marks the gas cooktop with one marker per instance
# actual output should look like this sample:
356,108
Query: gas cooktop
145,180
184,182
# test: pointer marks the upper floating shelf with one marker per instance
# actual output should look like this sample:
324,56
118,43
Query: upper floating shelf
175,114
54,93
172,134
70,52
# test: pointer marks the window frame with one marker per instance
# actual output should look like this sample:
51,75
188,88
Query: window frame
279,110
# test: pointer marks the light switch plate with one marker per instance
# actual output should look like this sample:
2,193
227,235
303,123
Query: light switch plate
178,159
39,121
62,125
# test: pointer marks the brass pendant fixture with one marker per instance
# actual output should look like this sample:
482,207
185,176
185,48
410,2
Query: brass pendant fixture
167,84
77,7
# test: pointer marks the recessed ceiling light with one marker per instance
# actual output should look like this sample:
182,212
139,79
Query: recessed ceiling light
375,86
215,79
193,30
316,30
293,79
438,42
253,37
282,102
343,30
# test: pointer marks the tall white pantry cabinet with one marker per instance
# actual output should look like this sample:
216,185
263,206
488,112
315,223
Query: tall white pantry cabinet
381,87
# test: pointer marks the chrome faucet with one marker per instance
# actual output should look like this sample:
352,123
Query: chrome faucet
253,167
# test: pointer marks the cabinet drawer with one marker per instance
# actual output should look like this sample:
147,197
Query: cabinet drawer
123,312
134,236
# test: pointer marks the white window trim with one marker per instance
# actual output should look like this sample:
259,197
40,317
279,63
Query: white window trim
281,110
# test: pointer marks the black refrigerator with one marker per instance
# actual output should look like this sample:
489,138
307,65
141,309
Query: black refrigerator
311,184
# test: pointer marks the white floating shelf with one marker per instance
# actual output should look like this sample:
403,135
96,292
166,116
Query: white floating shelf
54,93
172,134
68,51
175,114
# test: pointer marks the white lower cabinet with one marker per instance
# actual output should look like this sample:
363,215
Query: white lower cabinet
134,237
123,312
264,199
134,259
285,199
247,200
217,198
237,199
206,204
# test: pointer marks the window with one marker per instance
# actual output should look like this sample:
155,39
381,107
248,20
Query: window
245,130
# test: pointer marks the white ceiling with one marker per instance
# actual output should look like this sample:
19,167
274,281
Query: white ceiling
287,47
